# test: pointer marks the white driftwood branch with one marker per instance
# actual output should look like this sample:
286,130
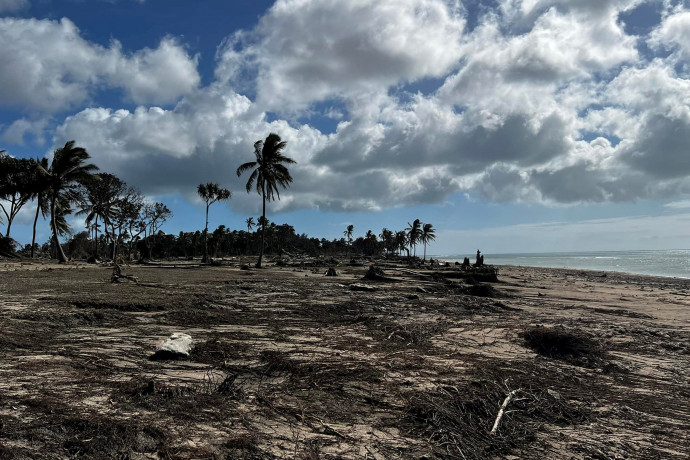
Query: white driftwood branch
501,411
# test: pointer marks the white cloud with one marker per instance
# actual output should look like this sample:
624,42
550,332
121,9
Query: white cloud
17,131
157,76
306,50
48,66
674,34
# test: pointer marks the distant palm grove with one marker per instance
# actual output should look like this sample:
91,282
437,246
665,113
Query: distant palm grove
122,225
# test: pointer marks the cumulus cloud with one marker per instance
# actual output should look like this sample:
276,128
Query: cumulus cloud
209,133
205,137
674,34
18,130
306,50
49,67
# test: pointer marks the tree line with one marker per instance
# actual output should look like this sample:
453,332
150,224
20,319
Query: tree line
121,223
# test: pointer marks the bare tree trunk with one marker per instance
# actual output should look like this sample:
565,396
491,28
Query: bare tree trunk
114,239
205,259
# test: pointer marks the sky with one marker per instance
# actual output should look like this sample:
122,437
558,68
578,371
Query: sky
510,125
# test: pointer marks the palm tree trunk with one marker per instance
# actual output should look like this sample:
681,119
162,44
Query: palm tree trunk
263,225
425,251
33,237
114,238
60,254
96,240
205,259
10,218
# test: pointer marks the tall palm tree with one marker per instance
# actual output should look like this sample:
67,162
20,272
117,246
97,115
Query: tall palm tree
414,231
268,173
211,193
67,170
428,235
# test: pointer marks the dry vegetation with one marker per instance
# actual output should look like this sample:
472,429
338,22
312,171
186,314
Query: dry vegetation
289,363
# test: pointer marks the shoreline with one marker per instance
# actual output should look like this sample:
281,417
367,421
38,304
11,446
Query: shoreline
667,263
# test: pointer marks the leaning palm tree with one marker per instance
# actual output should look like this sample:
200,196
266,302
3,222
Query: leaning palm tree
67,170
268,173
414,231
211,193
40,186
428,235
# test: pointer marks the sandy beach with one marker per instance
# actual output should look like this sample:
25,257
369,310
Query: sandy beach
289,363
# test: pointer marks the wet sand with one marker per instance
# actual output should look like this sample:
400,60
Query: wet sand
289,363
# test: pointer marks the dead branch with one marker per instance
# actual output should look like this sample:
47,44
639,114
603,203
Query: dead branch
501,411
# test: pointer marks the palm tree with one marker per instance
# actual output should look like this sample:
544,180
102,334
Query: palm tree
250,226
348,235
100,199
211,193
401,241
414,231
387,238
67,170
268,173
428,235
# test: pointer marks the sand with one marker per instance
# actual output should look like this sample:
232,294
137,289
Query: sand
289,363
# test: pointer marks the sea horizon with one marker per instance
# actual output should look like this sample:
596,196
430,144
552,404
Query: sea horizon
671,263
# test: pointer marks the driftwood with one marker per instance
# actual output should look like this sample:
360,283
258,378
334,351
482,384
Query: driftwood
501,411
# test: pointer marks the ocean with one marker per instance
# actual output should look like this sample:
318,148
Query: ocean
671,263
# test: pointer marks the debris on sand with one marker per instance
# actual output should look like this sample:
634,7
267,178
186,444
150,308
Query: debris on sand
118,275
331,272
377,274
363,287
177,346
574,346
480,290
